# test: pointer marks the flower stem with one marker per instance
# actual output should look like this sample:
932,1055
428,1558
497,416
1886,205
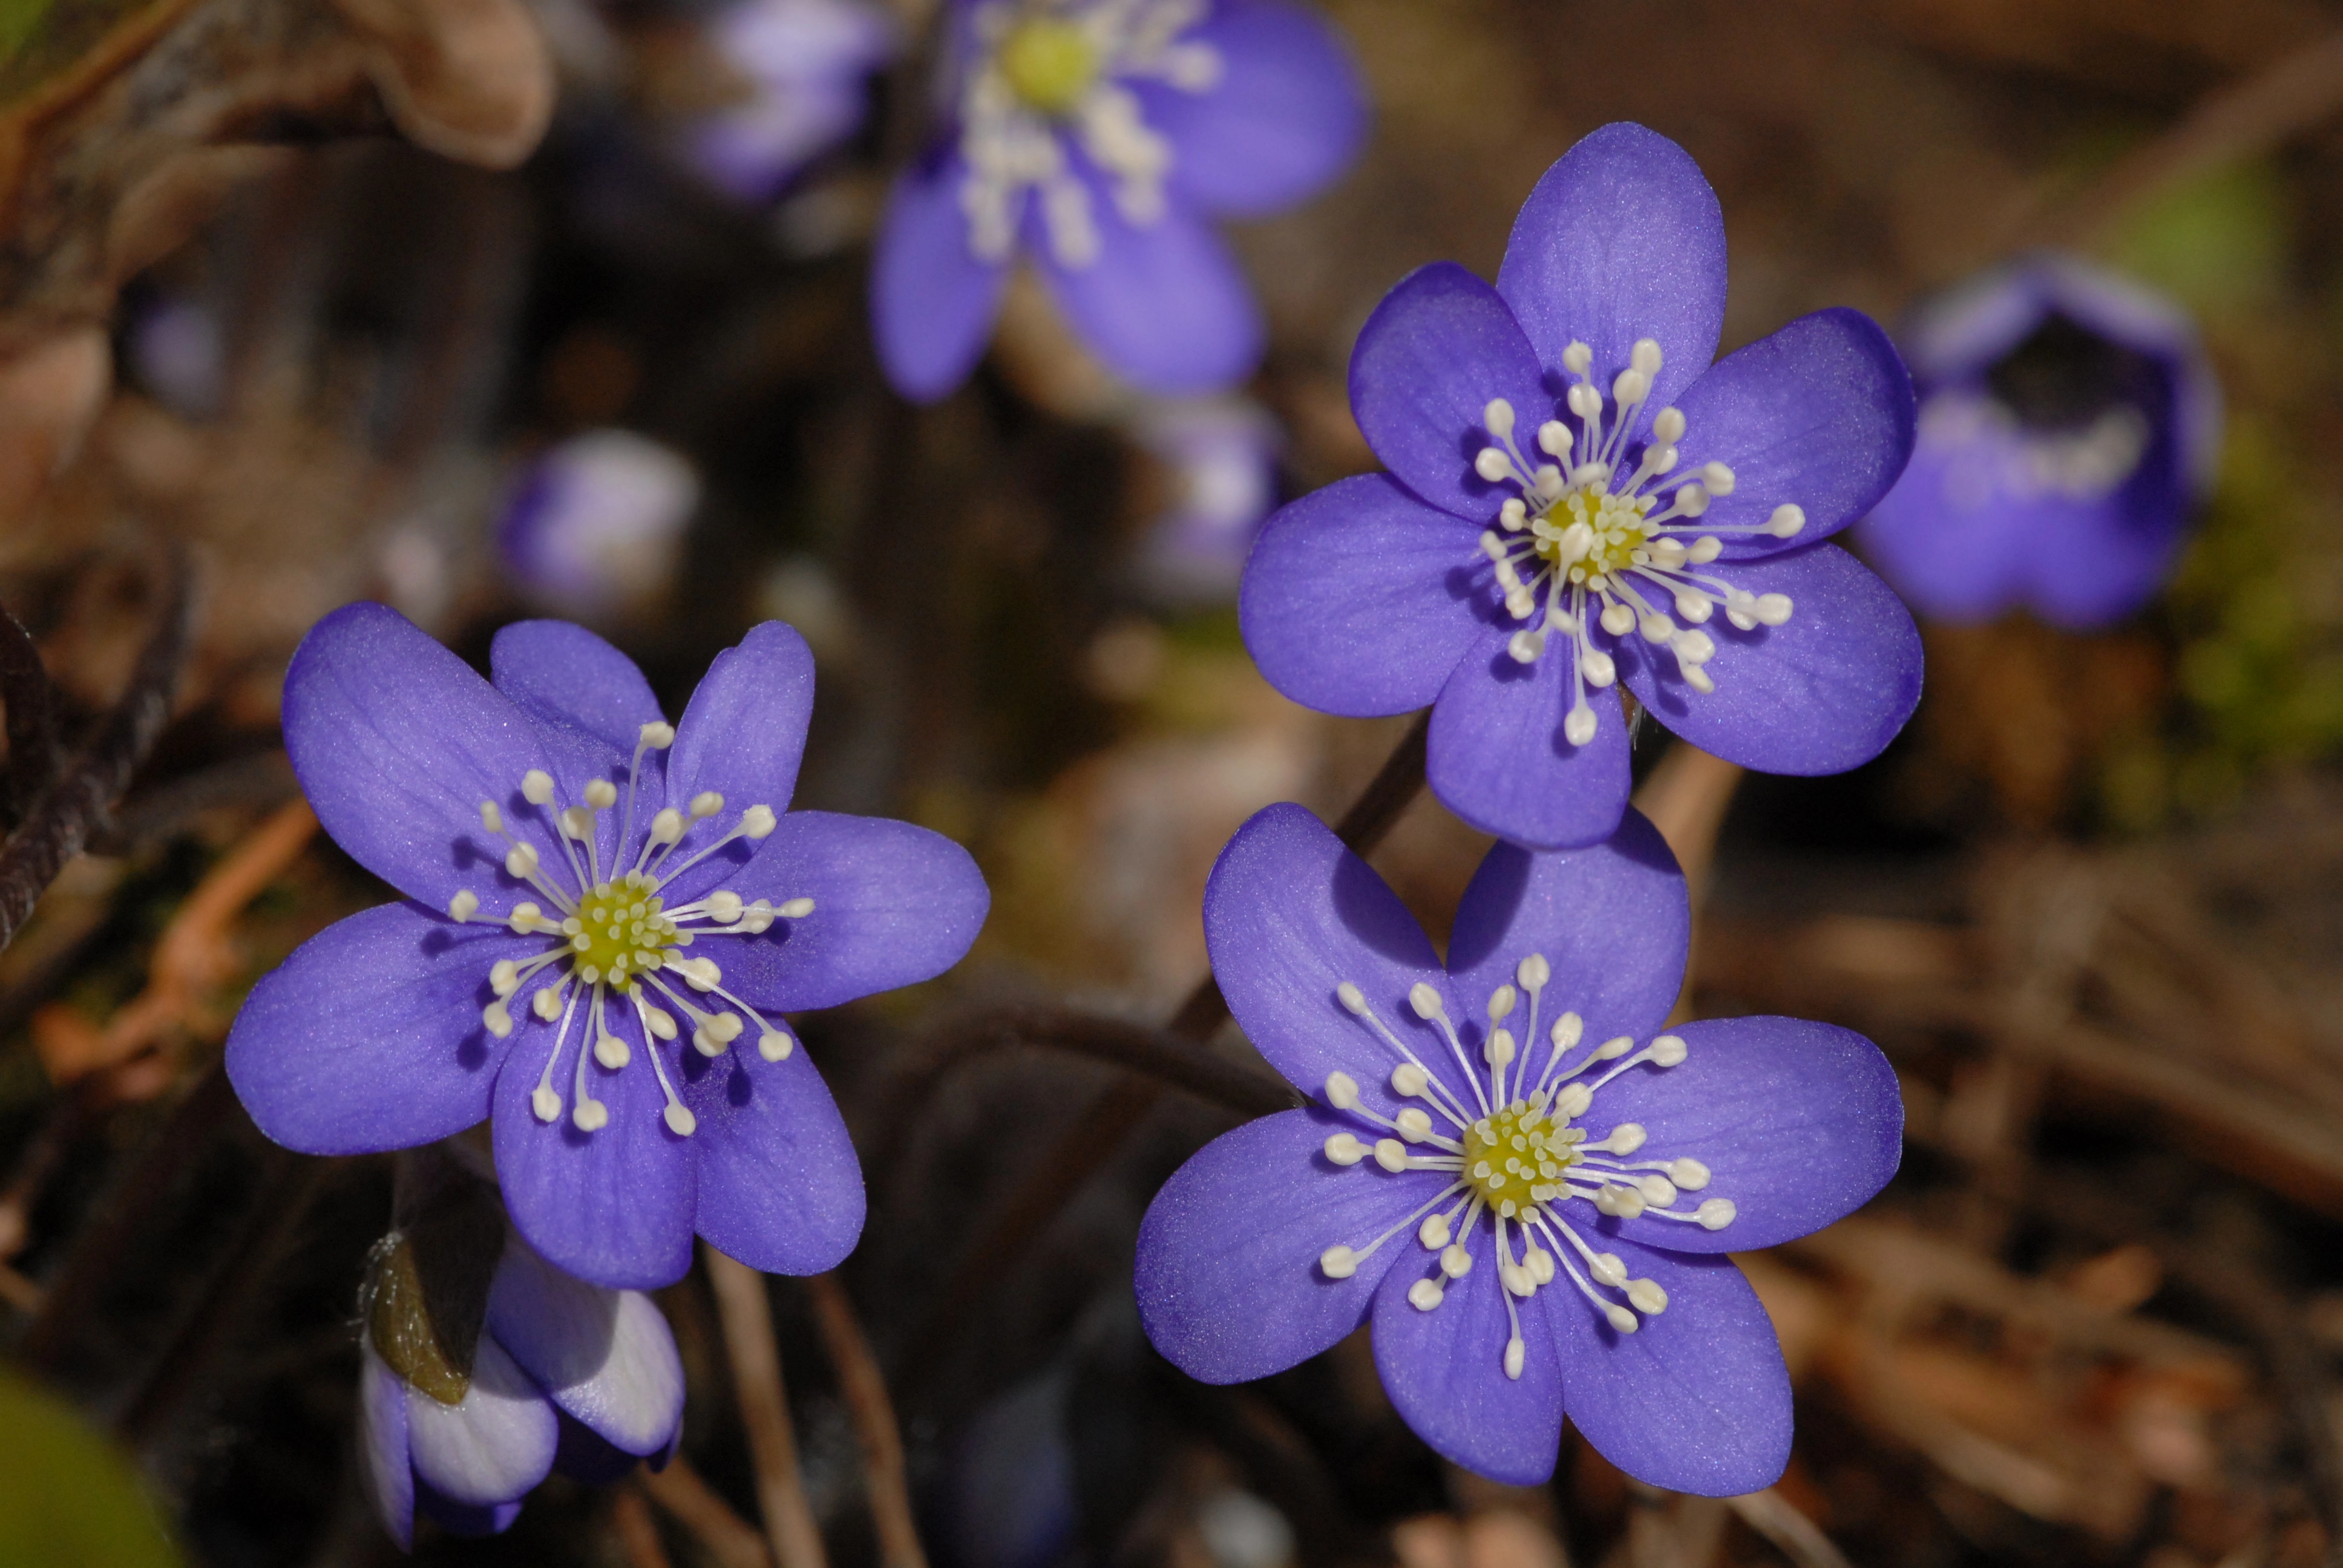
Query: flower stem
748,1318
865,1391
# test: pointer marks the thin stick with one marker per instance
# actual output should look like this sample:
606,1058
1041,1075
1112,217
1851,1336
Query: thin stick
1106,1124
631,1523
694,1504
748,1318
865,1389
30,699
1794,1535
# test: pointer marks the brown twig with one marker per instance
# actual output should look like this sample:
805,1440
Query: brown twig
638,1532
1106,1124
748,1318
729,1539
31,699
865,1391
67,812
1794,1535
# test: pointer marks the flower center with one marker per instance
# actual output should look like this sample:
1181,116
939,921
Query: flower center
1580,545
1049,63
1511,1153
1050,81
616,939
1515,1157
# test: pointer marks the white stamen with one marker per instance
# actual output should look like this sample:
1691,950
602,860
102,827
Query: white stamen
463,906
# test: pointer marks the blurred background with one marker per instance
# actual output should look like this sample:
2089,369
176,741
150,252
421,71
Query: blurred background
489,308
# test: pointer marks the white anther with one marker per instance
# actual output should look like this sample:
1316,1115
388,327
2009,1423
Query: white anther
1525,646
1338,1262
1691,499
1585,401
1620,1318
464,905
1553,439
1492,464
601,794
591,1116
537,787
656,734
1624,1202
1715,1214
546,1002
1771,608
1572,1101
1414,1124
1626,1138
490,818
1704,549
1341,1091
1608,1269
1618,619
1353,1000
1575,541
1539,1264
1662,461
1688,1173
1717,479
667,827
1597,667
1630,387
1647,1296
1611,1050
1344,1150
1787,521
1491,546
1514,514
1500,1049
613,1053
1566,1031
1408,1080
1645,357
521,860
679,1119
1501,999
1533,973
1425,1295
577,822
1657,1189
724,907
774,1045
546,1103
1455,1261
1433,1232
498,1017
758,821
1516,1357
662,1023
1498,418
1668,426
1391,1154
1517,1280
1657,628
1668,1051
1694,606
1424,1000
707,803
1577,358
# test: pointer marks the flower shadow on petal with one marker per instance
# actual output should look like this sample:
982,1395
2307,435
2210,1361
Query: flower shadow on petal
1363,900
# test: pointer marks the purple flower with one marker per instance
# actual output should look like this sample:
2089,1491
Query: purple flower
563,1375
809,62
1511,565
596,522
1221,459
1533,1210
1098,136
2069,421
604,913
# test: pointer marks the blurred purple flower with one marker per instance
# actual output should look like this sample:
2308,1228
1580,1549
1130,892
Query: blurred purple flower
564,1375
596,522
1098,136
1502,585
2069,422
1221,460
490,806
1515,1266
809,63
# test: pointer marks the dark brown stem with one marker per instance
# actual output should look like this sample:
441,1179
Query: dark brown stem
31,699
72,807
1107,1125
728,1538
865,1391
638,1532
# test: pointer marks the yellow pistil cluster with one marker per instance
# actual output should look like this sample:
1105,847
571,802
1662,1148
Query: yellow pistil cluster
620,931
1515,1157
1050,64
1615,523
